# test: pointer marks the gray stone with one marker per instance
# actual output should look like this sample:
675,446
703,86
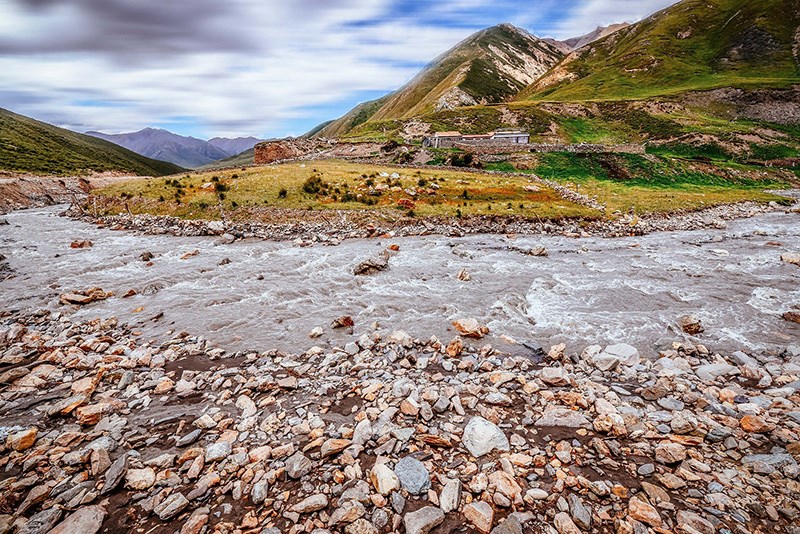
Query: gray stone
579,513
171,506
450,499
42,522
563,417
413,475
218,451
298,465
511,525
481,437
86,520
423,520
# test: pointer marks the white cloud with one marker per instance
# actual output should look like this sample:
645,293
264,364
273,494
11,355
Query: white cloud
238,67
587,16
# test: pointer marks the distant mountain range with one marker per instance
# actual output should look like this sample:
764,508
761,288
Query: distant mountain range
187,152
31,146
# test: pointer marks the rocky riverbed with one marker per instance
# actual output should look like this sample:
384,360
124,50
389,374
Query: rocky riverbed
104,431
332,227
578,412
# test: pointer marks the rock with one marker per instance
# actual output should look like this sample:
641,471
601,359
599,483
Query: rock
115,474
470,328
755,424
626,354
450,498
217,451
511,525
334,446
792,316
563,417
481,437
360,526
24,439
644,512
581,516
316,332
564,524
171,506
298,466
791,258
670,453
423,520
463,275
481,515
691,523
196,522
86,520
413,475
311,504
691,325
711,371
554,376
455,347
39,523
372,265
81,243
384,479
348,512
345,321
140,479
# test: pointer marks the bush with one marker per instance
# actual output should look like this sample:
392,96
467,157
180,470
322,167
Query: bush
282,193
313,185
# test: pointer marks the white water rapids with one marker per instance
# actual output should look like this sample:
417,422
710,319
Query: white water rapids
271,294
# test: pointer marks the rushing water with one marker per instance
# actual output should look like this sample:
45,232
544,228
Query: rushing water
272,294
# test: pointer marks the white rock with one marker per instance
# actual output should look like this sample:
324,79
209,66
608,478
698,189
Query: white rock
481,437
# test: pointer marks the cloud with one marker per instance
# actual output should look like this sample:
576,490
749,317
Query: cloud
588,15
240,67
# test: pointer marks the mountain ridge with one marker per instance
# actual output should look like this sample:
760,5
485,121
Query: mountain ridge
487,67
185,151
33,146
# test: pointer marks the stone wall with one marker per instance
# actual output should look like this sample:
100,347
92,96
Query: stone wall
481,148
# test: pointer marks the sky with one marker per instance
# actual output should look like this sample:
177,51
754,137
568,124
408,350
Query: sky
230,68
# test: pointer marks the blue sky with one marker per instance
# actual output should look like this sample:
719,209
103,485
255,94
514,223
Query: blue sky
244,67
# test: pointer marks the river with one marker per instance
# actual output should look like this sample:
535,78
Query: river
271,294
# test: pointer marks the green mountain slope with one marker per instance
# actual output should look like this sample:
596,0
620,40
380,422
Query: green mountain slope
28,145
488,67
693,45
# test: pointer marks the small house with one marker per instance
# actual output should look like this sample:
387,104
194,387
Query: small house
442,140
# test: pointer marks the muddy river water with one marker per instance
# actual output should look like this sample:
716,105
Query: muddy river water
271,294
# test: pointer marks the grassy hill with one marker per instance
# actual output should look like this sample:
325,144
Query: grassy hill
239,160
28,145
693,45
488,67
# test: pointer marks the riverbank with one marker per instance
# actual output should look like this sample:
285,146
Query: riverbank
331,227
103,429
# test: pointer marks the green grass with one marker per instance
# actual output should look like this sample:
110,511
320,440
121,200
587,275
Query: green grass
650,184
30,146
337,185
726,43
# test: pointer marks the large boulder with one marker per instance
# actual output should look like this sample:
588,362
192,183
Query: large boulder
482,437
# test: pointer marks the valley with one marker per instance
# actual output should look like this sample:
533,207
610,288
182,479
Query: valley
546,285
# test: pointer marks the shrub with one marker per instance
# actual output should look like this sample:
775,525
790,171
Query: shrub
282,193
312,185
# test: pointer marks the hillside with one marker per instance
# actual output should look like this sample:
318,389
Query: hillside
693,45
239,160
488,67
598,33
181,150
31,146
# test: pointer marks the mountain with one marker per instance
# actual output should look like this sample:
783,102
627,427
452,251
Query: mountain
239,160
692,45
488,67
31,146
574,43
234,147
185,151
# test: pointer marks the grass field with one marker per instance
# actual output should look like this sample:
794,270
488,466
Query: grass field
622,183
336,185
